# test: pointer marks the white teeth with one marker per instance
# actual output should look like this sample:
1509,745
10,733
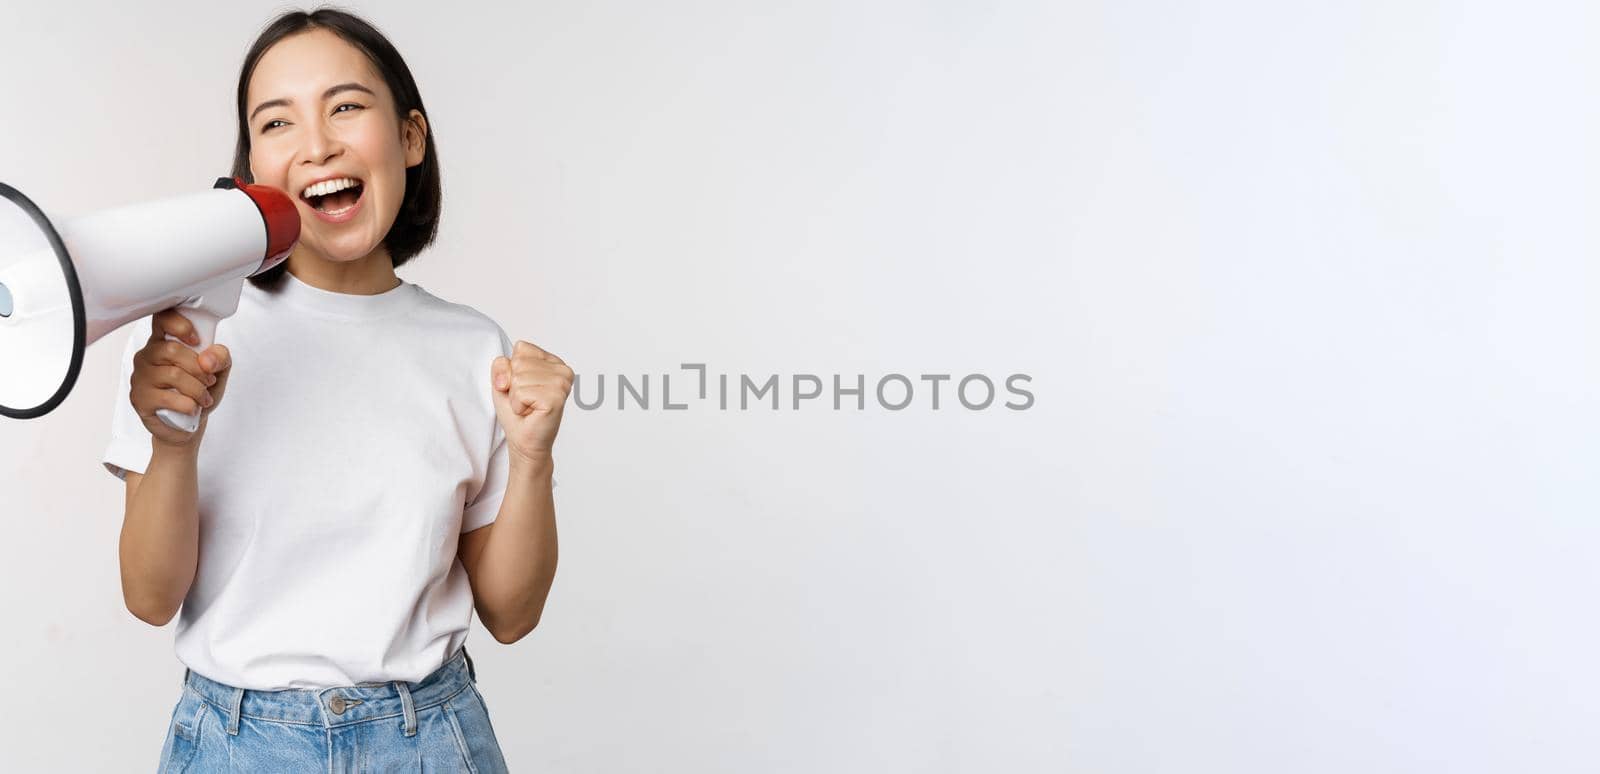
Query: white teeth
328,186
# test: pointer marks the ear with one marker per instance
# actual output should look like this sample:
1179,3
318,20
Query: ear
414,136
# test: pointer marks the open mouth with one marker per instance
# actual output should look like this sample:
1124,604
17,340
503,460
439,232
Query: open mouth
334,197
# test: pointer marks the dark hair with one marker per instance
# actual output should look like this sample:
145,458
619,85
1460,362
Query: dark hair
418,220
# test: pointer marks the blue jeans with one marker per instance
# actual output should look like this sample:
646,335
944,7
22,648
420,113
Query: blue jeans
437,724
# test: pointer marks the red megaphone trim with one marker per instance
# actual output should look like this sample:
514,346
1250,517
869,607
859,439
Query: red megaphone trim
277,212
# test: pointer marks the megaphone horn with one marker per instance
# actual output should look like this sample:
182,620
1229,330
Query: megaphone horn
63,289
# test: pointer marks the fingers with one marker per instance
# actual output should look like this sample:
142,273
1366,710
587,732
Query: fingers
536,373
500,373
148,400
529,348
172,376
532,378
170,322
171,353
529,360
526,399
169,375
215,359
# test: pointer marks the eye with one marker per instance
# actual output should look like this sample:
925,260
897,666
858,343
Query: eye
270,124
341,108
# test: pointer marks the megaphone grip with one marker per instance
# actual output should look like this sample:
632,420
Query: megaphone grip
205,327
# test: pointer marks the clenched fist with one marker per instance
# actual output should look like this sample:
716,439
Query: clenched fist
530,390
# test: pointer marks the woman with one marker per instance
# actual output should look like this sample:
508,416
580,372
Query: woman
384,466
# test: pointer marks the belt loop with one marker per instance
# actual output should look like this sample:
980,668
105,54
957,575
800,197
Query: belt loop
233,714
185,675
471,670
408,706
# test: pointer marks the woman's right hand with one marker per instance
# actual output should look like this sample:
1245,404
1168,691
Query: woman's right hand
170,375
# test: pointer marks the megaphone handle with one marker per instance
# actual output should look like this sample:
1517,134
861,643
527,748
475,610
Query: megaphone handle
205,326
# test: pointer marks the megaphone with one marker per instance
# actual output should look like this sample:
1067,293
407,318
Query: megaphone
62,289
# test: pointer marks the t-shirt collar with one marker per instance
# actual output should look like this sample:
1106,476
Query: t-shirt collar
292,290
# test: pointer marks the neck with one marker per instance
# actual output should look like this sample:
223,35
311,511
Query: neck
366,276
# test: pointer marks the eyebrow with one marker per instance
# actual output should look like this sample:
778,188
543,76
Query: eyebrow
332,90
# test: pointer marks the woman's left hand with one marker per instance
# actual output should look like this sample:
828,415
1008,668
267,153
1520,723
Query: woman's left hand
530,389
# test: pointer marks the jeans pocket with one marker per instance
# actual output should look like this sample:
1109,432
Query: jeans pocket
470,720
183,733
460,734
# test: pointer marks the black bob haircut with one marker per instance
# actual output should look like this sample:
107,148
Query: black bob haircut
418,220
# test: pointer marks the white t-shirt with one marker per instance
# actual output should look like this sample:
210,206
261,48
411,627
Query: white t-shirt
356,440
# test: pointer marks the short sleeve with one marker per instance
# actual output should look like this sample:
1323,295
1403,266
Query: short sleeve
482,511
484,508
129,447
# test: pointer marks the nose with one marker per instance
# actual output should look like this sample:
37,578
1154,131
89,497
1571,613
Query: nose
320,146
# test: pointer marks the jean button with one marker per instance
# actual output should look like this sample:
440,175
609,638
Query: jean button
337,705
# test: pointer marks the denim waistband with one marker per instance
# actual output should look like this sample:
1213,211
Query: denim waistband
337,706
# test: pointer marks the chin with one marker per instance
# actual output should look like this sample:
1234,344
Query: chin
346,255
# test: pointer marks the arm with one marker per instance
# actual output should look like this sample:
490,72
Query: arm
159,548
511,563
160,534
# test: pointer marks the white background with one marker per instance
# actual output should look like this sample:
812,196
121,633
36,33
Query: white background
1305,292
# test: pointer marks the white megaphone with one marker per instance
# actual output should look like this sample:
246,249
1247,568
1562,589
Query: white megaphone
61,289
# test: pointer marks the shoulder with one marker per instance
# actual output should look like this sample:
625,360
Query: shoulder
460,318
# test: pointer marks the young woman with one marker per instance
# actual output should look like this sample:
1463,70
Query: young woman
384,466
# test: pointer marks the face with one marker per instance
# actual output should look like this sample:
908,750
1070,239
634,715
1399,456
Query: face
318,112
